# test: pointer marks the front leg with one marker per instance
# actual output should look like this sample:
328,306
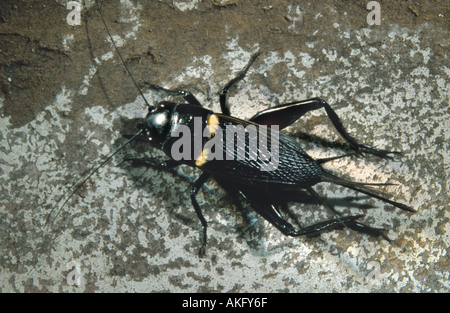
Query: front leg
187,95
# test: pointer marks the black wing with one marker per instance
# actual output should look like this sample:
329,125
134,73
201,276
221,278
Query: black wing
256,158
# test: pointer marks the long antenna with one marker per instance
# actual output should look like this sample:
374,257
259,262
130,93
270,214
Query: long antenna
120,55
79,184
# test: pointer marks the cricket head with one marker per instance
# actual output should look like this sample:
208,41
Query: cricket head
158,122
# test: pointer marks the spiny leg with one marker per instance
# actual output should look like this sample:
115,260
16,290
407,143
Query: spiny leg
262,204
187,95
287,229
285,114
194,190
357,226
224,93
323,226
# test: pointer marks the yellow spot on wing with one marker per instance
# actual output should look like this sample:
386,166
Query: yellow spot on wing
202,159
213,124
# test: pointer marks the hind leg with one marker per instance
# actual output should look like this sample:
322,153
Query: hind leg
264,206
285,114
357,226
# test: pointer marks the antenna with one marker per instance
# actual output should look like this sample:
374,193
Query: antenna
78,185
120,55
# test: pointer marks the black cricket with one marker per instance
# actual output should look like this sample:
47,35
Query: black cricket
242,178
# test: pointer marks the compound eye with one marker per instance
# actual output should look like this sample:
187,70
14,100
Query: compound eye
161,119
